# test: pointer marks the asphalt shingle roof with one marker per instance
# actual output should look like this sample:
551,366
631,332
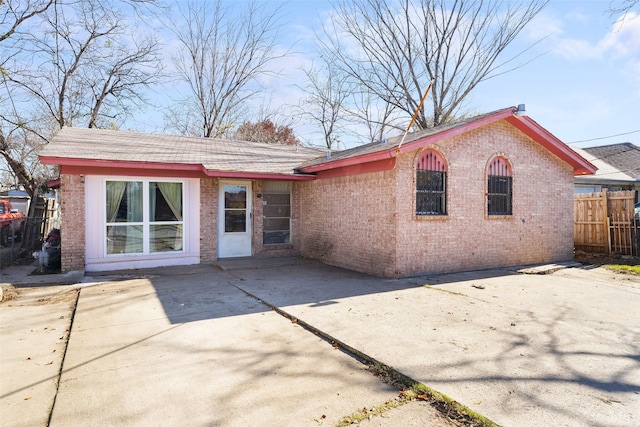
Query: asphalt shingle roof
82,146
212,154
392,142
624,157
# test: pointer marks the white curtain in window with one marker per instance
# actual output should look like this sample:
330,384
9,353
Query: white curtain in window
115,191
134,201
172,192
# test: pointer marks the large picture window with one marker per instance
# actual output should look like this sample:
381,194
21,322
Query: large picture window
143,217
499,182
276,222
431,184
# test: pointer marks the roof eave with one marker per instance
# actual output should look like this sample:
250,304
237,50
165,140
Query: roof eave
83,164
260,175
394,151
595,179
533,130
128,164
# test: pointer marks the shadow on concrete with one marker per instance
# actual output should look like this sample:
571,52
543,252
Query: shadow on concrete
200,292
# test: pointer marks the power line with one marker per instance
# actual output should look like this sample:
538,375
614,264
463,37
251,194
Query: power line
603,137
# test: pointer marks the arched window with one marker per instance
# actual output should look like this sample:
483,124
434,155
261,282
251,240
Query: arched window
431,184
499,183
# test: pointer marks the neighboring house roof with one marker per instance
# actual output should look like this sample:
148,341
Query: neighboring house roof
382,151
215,157
82,147
617,164
17,194
625,157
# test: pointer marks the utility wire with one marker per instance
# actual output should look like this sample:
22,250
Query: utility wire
603,137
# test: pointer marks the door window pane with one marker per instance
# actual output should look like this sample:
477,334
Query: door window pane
235,221
235,197
235,208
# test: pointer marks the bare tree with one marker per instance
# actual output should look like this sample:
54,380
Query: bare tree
73,63
325,102
223,52
378,119
20,150
17,12
393,49
86,70
622,6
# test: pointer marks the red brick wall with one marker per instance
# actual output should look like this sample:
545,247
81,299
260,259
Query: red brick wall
350,222
208,220
72,222
368,223
540,229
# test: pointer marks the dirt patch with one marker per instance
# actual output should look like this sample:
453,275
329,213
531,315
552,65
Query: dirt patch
58,297
37,296
600,259
9,293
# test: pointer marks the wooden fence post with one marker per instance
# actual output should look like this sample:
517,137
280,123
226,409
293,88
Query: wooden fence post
607,223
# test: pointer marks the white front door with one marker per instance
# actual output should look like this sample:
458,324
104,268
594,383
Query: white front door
234,219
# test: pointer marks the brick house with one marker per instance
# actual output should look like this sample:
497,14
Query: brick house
489,191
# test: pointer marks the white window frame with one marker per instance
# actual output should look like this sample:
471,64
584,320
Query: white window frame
146,222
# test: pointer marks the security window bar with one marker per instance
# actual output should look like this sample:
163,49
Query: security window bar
499,188
431,184
430,193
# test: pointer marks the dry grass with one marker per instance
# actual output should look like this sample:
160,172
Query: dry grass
9,293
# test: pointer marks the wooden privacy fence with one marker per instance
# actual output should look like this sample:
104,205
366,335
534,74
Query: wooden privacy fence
604,223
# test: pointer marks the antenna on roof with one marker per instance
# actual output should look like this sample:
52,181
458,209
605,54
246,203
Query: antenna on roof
415,115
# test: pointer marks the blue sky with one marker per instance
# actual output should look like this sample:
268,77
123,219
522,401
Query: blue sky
586,83
583,83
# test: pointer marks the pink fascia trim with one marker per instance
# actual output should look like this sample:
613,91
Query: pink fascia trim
93,163
533,130
458,130
256,175
84,166
410,146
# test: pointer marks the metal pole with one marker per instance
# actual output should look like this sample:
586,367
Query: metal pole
414,115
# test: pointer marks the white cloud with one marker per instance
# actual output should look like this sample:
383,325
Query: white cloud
621,41
624,38
575,49
544,25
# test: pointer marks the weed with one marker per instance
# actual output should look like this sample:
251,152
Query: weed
412,390
623,268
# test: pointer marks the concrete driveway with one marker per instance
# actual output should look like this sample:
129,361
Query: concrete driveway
191,346
559,349
186,347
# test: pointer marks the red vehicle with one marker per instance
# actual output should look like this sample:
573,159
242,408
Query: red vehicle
12,223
